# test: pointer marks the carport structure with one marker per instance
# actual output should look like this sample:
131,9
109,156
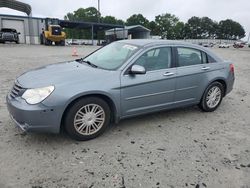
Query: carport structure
93,26
16,5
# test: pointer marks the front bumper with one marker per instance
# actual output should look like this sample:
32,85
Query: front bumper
34,118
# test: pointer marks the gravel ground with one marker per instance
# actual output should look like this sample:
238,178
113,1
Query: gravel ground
177,148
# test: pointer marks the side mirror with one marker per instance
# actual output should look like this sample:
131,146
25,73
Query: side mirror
137,69
18,33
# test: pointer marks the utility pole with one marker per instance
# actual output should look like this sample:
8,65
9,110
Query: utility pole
99,13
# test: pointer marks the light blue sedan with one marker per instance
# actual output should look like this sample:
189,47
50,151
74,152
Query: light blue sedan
124,79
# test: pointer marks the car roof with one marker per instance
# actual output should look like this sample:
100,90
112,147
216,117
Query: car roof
8,29
147,43
153,42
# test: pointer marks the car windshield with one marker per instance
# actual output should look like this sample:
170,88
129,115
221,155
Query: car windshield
112,56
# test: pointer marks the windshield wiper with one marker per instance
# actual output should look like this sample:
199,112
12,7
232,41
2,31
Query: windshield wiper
87,62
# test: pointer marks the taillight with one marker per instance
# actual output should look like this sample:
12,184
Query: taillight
232,68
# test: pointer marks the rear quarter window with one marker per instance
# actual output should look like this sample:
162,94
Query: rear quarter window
211,59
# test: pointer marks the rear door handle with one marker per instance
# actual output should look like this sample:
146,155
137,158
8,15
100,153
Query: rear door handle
168,74
205,68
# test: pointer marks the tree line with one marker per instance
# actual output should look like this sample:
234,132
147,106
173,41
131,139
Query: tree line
168,26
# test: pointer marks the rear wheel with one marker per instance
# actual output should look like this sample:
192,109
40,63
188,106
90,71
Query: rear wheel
212,97
62,43
46,41
41,39
87,118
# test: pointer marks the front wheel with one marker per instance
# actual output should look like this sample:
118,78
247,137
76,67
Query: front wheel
87,118
212,97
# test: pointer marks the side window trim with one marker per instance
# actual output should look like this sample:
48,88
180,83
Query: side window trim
202,55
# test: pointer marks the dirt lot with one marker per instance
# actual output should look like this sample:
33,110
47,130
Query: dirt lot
178,148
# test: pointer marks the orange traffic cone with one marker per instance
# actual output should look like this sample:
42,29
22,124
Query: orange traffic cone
74,52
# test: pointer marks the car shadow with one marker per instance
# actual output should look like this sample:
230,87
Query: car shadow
130,124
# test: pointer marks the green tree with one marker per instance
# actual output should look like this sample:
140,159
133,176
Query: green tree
89,14
193,28
155,30
229,29
120,22
167,23
111,20
179,30
137,19
208,28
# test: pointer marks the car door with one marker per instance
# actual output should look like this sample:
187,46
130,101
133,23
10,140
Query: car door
152,91
191,72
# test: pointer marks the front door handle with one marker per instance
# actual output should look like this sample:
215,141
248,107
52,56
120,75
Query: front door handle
205,68
168,74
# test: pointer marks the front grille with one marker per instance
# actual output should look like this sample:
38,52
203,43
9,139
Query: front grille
8,37
17,90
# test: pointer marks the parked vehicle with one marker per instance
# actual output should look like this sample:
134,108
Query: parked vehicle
224,45
9,35
52,33
208,44
238,45
123,79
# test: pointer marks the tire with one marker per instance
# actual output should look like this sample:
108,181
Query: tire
81,122
41,39
210,105
62,43
46,41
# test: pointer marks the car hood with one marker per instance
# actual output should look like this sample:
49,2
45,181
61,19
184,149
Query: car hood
62,73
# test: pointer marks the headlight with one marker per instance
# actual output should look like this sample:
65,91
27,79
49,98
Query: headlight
37,95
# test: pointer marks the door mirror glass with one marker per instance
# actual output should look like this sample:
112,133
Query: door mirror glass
137,69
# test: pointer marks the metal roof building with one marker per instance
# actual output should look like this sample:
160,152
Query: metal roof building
130,32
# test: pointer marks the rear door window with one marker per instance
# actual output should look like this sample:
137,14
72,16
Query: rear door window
189,56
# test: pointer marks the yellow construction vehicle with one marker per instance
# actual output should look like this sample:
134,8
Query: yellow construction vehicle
52,33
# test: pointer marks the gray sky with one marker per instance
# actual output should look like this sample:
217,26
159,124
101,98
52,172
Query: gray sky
238,10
